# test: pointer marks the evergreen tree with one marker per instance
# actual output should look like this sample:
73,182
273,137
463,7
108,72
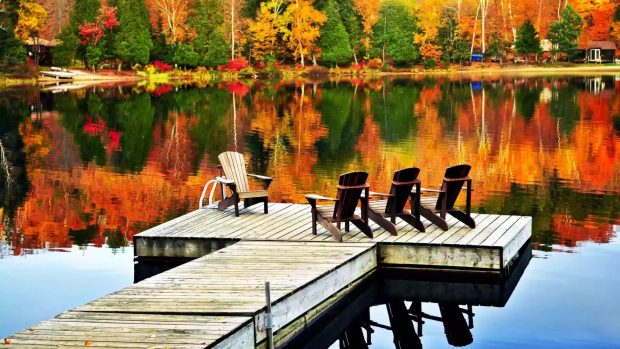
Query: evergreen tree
353,25
12,51
334,40
447,35
393,34
527,41
217,51
69,47
207,21
564,33
132,43
497,46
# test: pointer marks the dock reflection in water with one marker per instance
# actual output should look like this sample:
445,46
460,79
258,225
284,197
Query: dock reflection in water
393,307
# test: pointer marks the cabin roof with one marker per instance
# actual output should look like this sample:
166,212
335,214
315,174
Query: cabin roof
602,44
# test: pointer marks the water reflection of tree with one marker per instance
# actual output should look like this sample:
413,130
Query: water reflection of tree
393,109
14,183
341,113
527,97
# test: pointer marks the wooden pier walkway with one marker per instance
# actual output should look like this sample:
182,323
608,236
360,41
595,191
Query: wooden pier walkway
217,300
494,242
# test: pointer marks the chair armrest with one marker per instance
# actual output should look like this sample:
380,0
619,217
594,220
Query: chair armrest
374,193
363,186
429,190
319,197
262,178
224,180
266,180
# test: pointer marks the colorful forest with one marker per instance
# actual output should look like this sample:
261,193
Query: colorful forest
251,34
87,168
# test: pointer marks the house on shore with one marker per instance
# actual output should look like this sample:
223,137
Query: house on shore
597,52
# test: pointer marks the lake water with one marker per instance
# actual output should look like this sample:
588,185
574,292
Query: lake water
84,170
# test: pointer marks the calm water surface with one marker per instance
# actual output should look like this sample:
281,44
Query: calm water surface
83,171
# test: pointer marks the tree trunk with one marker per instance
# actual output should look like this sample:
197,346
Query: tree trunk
473,35
232,29
484,9
512,23
301,55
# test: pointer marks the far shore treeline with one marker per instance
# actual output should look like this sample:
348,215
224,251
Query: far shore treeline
240,34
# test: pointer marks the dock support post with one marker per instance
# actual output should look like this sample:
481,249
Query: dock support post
268,317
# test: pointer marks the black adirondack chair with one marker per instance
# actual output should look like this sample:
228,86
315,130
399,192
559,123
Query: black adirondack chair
435,208
394,206
234,176
350,187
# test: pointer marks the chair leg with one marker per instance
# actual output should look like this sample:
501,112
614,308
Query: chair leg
346,226
363,226
314,222
435,219
463,217
266,207
236,205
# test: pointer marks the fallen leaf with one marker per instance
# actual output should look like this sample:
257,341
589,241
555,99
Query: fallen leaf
88,342
7,341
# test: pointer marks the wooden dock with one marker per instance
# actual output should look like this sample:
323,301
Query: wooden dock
494,242
217,300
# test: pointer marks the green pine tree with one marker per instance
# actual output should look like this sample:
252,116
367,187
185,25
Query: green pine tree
497,46
132,43
12,51
210,44
353,25
564,33
527,41
447,35
69,48
393,34
334,40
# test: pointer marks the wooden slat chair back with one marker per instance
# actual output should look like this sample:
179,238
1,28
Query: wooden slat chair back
350,186
394,206
454,182
350,189
233,165
234,176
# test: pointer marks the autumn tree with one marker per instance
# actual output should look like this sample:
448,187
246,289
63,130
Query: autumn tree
30,19
334,41
369,12
564,33
270,25
173,15
304,30
527,41
94,35
393,34
454,48
69,47
132,43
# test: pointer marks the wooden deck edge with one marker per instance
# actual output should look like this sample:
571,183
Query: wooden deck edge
484,258
511,250
241,338
177,247
310,295
307,319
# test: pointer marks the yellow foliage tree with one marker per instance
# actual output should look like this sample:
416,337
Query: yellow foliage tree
271,22
369,11
30,18
305,28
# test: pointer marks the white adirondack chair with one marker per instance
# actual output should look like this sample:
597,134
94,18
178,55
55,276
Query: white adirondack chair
234,176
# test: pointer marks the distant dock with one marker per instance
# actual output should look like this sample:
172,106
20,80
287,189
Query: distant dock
218,299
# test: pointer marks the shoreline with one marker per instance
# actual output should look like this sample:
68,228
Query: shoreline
8,81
